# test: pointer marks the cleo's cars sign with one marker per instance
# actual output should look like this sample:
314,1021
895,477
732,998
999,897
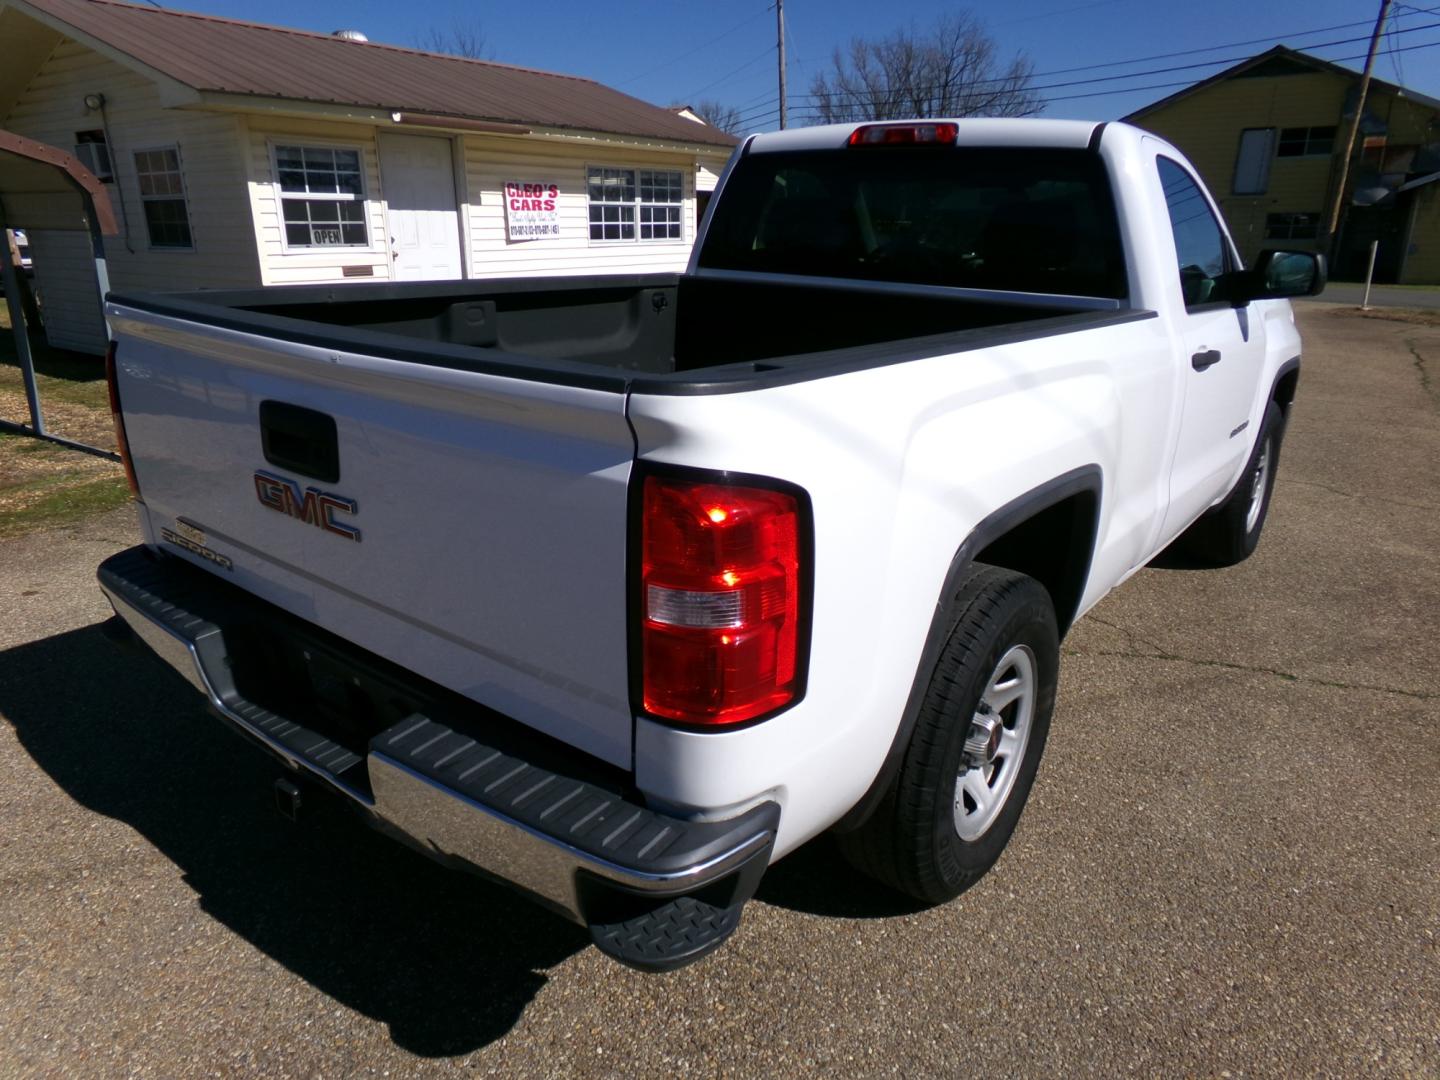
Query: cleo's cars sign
532,211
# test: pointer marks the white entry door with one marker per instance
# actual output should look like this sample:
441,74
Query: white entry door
419,177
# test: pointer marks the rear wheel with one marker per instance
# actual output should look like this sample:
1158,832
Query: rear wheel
1230,532
976,747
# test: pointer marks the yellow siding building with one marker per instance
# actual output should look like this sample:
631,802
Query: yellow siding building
1268,137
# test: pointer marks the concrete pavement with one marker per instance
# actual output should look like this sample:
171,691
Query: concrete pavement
1230,863
1381,296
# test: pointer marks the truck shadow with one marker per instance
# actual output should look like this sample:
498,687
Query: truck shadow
816,880
446,960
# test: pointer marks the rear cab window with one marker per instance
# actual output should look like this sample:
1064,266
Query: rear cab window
1005,218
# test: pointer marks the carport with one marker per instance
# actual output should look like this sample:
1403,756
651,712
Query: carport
43,187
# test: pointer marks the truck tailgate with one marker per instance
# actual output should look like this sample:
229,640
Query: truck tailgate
489,513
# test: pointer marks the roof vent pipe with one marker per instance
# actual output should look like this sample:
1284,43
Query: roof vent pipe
350,35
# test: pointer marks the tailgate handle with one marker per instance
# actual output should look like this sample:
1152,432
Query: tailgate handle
300,440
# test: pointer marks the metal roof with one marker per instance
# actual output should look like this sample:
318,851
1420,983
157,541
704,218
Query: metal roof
227,56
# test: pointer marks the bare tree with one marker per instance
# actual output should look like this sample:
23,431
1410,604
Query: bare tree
463,38
724,117
951,69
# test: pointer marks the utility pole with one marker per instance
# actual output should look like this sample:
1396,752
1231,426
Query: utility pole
1332,219
780,36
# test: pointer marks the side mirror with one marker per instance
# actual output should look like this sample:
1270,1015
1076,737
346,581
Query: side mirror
1279,274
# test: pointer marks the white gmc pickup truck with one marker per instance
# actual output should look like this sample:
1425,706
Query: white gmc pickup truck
620,589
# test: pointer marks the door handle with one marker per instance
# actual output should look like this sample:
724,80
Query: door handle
1202,360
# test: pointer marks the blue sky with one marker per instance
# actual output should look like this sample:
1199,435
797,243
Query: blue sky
670,51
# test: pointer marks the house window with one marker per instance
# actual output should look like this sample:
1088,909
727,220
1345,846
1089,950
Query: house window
162,191
635,204
322,196
1306,141
92,151
1252,163
1292,226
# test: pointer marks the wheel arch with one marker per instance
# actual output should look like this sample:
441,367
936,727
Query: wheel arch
1282,391
1020,536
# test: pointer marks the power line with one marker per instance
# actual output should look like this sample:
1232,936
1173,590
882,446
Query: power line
1151,71
799,99
756,111
699,48
812,112
773,105
1394,56
1210,48
1134,89
759,111
765,94
1211,63
731,74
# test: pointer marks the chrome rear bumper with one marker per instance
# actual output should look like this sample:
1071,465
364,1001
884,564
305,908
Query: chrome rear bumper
570,842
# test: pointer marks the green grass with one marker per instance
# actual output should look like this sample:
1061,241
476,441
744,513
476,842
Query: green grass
62,506
43,485
60,374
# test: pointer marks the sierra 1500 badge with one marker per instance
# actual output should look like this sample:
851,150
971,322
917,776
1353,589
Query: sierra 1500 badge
310,505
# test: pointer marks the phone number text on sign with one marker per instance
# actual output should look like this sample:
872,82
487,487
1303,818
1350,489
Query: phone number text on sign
532,211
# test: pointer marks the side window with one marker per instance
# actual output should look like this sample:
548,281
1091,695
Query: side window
1199,241
162,192
1252,161
322,196
619,196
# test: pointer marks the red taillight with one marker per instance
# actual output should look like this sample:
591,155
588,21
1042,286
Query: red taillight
122,444
720,601
905,135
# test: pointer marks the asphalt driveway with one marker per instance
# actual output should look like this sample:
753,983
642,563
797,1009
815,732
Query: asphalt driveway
1395,296
1230,864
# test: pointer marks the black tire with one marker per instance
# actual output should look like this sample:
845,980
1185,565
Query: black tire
912,841
1229,533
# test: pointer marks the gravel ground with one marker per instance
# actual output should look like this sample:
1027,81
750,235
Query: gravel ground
1230,864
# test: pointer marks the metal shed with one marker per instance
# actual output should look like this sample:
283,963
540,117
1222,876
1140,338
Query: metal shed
43,187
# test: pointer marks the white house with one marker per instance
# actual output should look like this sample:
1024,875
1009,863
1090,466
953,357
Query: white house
239,154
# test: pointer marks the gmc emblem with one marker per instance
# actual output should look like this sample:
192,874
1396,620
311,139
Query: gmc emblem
310,505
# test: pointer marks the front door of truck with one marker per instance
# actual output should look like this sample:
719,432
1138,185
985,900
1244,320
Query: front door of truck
1222,352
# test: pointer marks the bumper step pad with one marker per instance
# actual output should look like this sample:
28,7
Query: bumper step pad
657,892
583,815
674,934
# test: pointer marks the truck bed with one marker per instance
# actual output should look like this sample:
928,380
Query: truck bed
650,332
